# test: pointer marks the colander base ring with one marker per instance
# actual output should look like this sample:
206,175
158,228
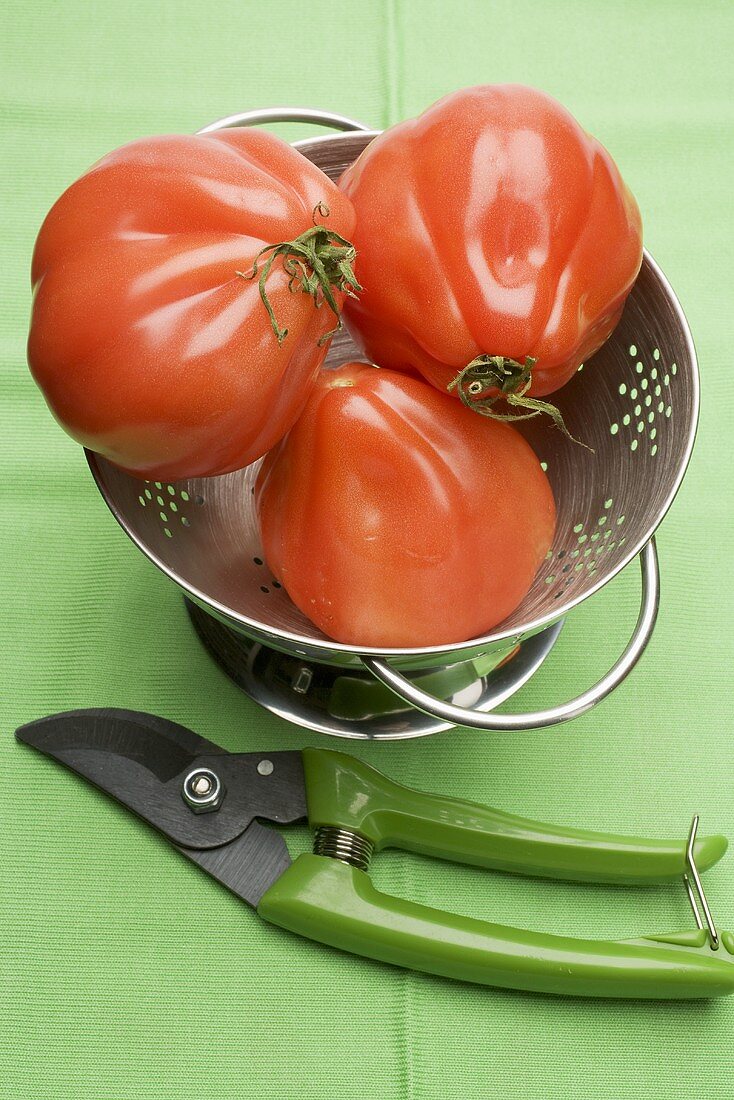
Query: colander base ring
349,702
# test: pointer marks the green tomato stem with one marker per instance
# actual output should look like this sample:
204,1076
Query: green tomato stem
317,262
489,379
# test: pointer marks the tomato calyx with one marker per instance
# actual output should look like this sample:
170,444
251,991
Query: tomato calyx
317,262
489,379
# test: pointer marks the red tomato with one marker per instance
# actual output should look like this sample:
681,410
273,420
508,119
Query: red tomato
395,518
492,225
148,345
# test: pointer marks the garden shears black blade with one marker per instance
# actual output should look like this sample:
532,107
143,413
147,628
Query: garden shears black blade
215,807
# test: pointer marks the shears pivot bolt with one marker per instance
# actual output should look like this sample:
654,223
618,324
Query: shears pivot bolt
202,791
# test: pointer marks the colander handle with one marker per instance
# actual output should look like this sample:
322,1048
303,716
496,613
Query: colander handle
460,716
264,115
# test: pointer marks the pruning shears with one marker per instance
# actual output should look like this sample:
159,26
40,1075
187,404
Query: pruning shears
212,805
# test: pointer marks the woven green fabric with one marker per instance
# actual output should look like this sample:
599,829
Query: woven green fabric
124,972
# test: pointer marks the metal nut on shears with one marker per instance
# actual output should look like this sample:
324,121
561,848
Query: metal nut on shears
202,791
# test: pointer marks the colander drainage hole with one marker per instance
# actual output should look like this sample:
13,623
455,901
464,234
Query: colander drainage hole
264,588
258,561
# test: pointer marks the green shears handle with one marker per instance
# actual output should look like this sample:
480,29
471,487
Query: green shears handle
344,792
334,903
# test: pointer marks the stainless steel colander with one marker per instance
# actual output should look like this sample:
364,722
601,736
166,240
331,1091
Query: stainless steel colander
636,404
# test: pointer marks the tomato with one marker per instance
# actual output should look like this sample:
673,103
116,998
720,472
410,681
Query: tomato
491,226
393,517
149,346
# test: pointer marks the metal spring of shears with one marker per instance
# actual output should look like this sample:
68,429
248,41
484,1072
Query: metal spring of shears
344,845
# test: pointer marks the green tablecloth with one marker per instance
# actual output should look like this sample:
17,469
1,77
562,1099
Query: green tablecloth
125,972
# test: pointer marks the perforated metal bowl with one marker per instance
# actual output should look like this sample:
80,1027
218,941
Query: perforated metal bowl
635,404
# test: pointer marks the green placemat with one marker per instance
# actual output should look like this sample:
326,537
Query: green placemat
124,972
